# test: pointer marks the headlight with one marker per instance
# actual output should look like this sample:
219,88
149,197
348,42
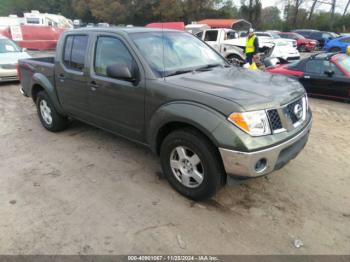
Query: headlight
254,123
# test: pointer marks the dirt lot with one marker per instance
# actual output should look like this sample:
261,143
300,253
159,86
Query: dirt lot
84,191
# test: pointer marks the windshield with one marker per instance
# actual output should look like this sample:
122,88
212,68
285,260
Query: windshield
299,36
7,46
275,36
170,53
344,62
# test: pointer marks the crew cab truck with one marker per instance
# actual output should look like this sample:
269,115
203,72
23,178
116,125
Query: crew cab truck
209,121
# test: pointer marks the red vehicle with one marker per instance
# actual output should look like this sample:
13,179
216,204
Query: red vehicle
303,43
322,75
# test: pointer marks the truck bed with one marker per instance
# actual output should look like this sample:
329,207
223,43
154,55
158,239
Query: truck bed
33,67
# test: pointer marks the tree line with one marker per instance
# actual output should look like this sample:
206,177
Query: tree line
296,13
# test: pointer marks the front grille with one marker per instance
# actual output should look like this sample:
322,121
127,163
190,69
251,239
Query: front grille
290,110
288,117
8,66
275,119
8,78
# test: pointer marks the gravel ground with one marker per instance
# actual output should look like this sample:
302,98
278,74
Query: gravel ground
85,191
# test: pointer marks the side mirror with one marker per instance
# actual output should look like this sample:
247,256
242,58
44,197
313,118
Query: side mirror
329,73
120,71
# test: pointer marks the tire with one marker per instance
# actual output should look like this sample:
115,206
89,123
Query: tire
335,49
302,48
196,147
48,115
235,60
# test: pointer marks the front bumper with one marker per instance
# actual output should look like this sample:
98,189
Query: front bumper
244,164
8,75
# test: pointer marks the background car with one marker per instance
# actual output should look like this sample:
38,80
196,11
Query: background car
320,36
303,44
338,44
10,53
275,37
324,75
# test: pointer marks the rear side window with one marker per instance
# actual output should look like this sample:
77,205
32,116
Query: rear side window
75,51
200,35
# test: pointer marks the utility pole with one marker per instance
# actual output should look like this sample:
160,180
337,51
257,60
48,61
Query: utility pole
313,9
332,14
346,8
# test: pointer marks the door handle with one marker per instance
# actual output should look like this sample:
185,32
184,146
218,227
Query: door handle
307,77
93,85
61,77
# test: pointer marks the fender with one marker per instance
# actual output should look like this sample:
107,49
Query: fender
44,82
210,122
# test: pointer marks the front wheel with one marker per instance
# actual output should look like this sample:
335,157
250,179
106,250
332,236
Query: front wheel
191,164
48,115
302,48
235,60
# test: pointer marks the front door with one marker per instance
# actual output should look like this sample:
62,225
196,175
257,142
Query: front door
116,104
318,82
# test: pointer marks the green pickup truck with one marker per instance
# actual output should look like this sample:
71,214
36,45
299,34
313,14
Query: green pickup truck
210,122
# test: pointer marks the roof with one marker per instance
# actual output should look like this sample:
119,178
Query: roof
168,25
323,55
118,29
222,23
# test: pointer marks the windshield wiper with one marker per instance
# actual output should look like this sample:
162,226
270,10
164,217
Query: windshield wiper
207,67
178,72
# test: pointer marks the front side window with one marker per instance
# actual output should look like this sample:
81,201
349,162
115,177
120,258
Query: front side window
345,40
321,66
75,51
109,51
171,52
211,35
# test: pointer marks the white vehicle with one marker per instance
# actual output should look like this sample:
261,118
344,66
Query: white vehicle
284,48
196,28
10,53
225,41
45,19
217,38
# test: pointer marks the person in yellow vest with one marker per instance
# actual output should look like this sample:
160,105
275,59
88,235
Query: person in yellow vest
251,48
348,50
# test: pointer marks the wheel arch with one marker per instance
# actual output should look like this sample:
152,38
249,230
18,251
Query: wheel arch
42,83
176,116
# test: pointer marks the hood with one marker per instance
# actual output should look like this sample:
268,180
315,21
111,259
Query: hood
252,90
12,58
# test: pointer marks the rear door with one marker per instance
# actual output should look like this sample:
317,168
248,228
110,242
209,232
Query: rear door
71,75
116,104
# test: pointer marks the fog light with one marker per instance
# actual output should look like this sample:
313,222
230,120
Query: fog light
261,165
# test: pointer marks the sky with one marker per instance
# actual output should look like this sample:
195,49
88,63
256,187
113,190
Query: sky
340,4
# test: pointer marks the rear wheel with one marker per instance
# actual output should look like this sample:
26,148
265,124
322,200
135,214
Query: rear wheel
335,49
191,164
48,115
